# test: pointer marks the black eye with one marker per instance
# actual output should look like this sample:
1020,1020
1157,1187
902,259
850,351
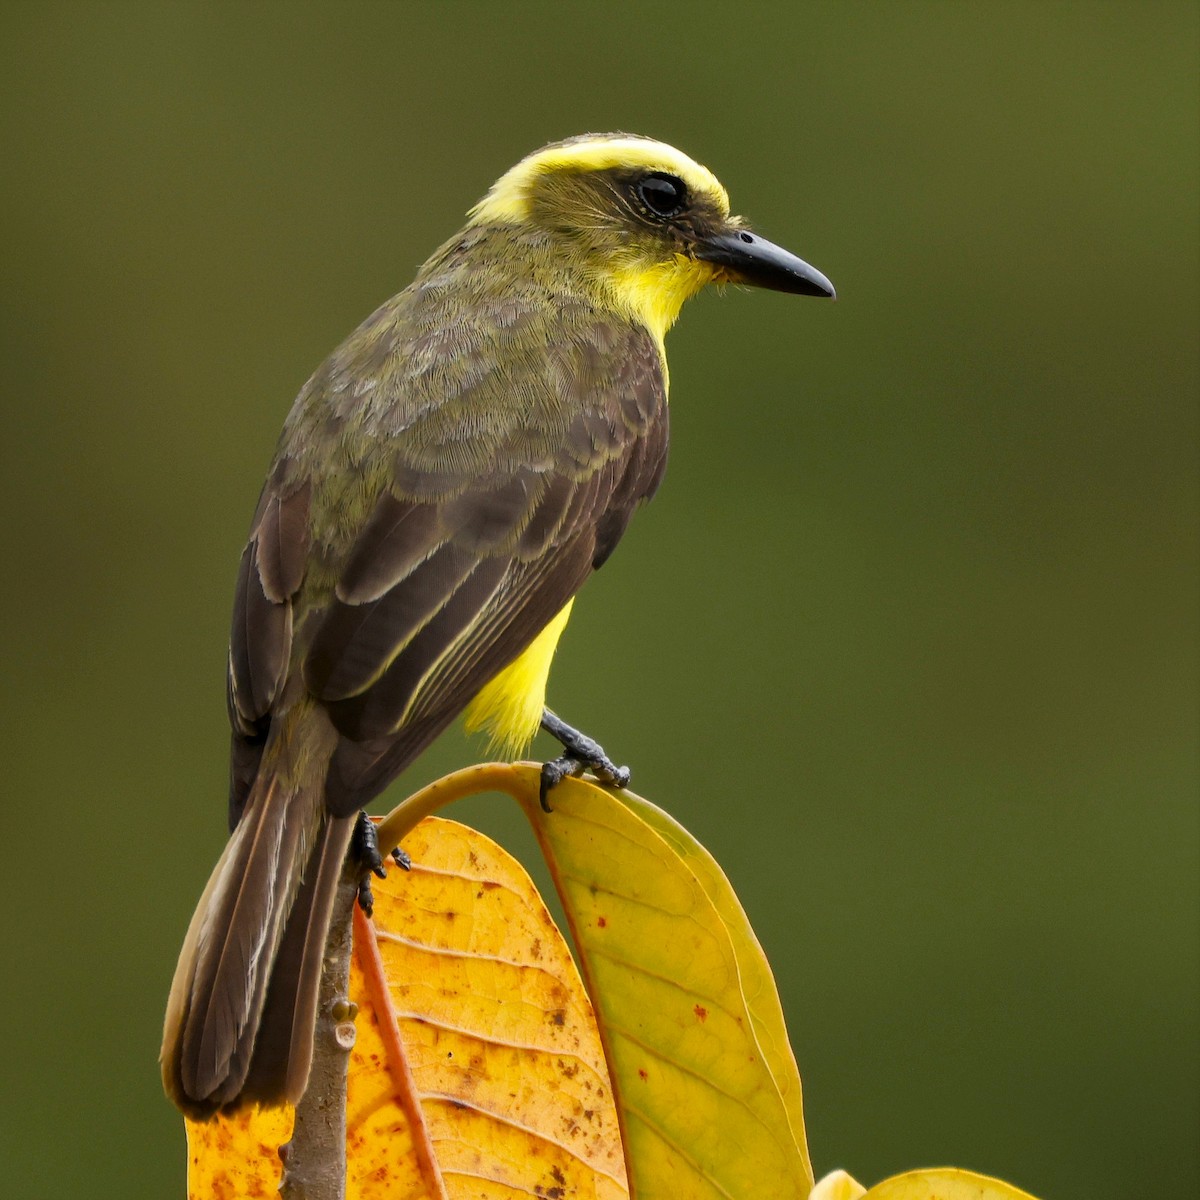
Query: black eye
664,195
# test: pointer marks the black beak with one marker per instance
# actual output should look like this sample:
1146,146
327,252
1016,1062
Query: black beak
748,258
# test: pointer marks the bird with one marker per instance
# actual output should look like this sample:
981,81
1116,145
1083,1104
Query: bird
444,484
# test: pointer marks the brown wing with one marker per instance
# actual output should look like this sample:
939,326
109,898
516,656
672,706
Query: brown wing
269,577
456,569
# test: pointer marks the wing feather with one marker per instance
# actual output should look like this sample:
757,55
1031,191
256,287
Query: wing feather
281,543
477,536
271,573
355,643
399,535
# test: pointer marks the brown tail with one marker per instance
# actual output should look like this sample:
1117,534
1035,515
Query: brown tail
243,1002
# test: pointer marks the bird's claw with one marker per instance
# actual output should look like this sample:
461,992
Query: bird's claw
364,846
366,896
580,753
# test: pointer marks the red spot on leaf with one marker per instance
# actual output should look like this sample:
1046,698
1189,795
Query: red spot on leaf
701,1012
602,921
642,1073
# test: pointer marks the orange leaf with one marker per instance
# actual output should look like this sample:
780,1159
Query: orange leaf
237,1158
477,1069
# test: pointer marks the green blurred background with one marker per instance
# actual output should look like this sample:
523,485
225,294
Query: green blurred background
908,638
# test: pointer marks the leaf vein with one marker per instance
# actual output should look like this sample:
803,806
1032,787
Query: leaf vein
500,1118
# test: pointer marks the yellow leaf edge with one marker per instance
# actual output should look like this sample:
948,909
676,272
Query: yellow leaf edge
755,982
944,1183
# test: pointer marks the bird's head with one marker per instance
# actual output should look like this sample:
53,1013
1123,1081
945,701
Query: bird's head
645,220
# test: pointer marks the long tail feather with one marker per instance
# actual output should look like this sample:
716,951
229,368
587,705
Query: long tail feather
243,1001
285,1036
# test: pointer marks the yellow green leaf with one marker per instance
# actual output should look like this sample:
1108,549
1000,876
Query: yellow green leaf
944,1183
707,1087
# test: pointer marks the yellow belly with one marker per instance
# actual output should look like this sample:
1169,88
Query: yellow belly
510,706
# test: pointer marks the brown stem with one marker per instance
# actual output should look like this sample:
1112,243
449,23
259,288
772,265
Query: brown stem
314,1161
470,781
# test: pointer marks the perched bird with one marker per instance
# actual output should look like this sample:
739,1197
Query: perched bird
444,484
